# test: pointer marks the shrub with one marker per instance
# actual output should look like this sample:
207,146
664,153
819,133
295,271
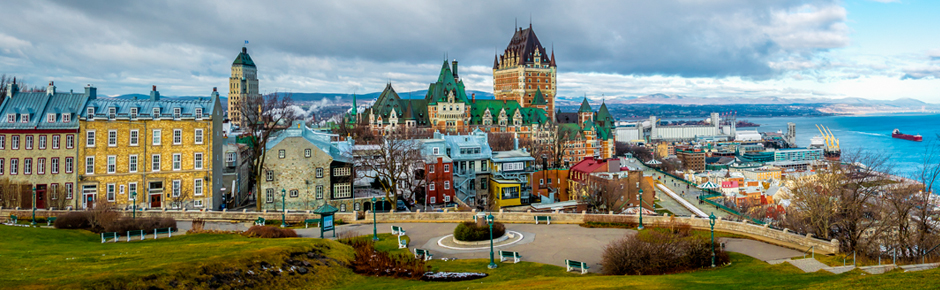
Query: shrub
470,231
269,232
377,263
659,252
674,226
126,224
72,220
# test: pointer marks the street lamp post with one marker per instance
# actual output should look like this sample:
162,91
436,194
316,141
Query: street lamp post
134,212
489,220
375,231
711,221
34,207
283,208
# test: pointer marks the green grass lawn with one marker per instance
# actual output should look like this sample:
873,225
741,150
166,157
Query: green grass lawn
34,258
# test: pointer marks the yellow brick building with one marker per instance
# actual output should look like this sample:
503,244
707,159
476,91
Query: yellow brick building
167,151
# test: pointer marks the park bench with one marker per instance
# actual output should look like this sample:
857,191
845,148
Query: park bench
307,222
106,236
402,243
139,233
13,218
168,231
544,218
398,231
506,255
50,221
423,254
571,264
259,221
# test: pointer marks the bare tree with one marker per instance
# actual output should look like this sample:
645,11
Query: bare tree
928,175
500,141
262,116
394,161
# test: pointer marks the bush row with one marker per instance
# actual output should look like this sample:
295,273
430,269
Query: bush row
269,232
660,251
100,223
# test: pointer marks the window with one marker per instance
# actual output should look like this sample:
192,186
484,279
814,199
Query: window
447,198
446,167
269,195
198,113
132,163
28,140
436,151
55,141
156,113
433,199
177,188
307,152
66,117
176,113
15,142
431,186
319,172
446,184
177,136
281,153
356,206
230,159
319,192
197,160
68,190
134,137
342,207
41,165
90,113
112,163
294,193
155,162
177,161
269,175
3,141
112,111
197,186
69,141
42,142
27,166
68,164
341,191
11,118
483,183
1,166
198,136
24,118
121,189
133,113
483,166
341,171
90,138
54,190
111,192
90,165
197,203
156,137
14,166
112,138
131,189
431,168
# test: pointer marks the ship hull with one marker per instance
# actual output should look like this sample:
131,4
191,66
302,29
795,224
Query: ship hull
914,138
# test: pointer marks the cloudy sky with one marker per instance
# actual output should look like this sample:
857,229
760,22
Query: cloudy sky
854,48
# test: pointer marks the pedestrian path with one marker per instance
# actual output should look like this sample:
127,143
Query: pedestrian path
808,265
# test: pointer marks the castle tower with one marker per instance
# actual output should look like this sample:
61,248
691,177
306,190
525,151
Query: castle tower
242,85
524,69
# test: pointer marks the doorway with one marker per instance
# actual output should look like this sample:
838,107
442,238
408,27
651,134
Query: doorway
155,188
40,196
88,196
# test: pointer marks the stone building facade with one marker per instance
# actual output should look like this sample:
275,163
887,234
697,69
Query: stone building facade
165,150
38,146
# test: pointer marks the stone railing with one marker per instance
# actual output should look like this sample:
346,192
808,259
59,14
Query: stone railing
763,233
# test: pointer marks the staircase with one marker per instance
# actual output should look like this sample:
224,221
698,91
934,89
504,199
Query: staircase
461,178
808,265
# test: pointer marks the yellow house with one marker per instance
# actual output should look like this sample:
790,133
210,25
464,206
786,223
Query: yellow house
509,185
505,192
168,152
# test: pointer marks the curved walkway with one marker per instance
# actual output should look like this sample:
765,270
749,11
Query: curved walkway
546,244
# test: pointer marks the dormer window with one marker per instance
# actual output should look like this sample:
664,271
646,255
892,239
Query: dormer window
176,113
133,113
156,113
11,118
198,113
50,117
66,117
112,112
91,113
24,118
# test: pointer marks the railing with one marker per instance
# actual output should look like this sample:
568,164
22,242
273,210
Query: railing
813,249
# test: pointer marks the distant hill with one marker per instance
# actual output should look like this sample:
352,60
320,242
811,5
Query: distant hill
324,97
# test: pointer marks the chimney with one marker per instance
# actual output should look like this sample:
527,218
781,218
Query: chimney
11,88
51,89
215,94
91,92
244,49
454,68
154,94
515,143
473,97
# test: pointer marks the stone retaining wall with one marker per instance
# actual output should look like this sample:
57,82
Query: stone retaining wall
762,233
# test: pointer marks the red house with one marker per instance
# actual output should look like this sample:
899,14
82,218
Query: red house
439,179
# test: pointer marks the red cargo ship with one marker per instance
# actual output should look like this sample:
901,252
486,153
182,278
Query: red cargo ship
897,134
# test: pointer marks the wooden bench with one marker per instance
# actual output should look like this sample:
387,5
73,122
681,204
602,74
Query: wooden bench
544,218
259,221
168,231
571,264
423,254
398,231
402,243
506,255
139,233
13,218
307,222
106,236
50,221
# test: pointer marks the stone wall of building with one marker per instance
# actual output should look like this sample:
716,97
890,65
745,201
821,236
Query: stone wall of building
296,172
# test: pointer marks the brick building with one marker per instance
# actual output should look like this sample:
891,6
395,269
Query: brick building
525,70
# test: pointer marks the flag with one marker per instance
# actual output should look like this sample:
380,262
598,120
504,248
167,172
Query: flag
246,42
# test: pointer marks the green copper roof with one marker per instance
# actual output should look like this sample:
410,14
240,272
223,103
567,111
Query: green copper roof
539,100
446,84
585,107
243,58
604,118
326,209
